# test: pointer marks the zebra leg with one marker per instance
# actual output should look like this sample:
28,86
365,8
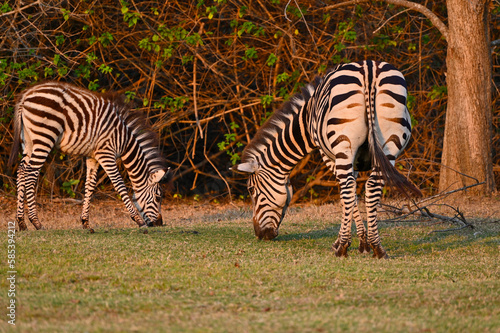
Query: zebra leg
343,241
345,229
374,187
90,185
109,165
348,198
30,180
360,231
21,190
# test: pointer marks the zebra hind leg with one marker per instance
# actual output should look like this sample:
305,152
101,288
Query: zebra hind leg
361,231
30,181
90,185
348,198
343,241
21,191
374,187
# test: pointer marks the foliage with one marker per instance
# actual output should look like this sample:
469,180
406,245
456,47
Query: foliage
225,62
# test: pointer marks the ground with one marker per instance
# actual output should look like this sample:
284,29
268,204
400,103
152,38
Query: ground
109,213
204,271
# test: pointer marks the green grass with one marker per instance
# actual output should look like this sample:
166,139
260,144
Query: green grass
216,277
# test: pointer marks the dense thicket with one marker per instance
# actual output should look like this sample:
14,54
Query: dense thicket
208,73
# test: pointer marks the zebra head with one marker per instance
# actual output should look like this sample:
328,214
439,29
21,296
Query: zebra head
147,200
270,194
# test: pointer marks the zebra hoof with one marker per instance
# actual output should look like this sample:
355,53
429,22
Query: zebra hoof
85,223
22,226
379,253
340,250
364,247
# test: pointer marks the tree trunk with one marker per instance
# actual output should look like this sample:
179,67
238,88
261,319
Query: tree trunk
468,133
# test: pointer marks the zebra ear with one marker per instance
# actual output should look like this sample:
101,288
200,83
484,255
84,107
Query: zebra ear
247,167
161,176
167,177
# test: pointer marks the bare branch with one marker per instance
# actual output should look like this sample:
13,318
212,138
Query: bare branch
436,21
343,4
20,9
195,99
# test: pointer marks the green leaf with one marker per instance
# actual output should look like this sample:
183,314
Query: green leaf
271,60
266,100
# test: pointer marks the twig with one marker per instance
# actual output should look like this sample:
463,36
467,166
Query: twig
217,170
20,9
445,194
448,230
390,18
195,99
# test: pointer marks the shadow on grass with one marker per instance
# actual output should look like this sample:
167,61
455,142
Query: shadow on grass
314,234
444,241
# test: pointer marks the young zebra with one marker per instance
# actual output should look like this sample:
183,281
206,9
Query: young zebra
356,115
98,126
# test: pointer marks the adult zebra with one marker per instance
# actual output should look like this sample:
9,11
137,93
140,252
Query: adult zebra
98,126
357,116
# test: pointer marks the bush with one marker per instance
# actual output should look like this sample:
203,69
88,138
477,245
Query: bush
208,73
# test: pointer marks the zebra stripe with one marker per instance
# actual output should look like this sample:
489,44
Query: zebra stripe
356,115
98,126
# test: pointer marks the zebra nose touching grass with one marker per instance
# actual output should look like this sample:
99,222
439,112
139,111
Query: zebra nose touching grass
357,116
98,126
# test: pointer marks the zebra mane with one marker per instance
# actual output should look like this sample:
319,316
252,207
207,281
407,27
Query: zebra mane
279,119
142,132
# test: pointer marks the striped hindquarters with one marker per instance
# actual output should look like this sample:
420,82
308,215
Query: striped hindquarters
359,119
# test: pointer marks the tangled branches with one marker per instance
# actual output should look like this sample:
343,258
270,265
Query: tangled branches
208,73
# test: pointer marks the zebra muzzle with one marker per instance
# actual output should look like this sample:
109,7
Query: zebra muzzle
158,222
266,234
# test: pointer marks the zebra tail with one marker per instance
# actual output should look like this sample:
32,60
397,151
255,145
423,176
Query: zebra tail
18,122
391,175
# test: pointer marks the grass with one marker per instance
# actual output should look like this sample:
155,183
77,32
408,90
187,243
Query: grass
214,276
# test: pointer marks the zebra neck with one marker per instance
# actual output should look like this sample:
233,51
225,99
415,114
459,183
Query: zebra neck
137,163
288,143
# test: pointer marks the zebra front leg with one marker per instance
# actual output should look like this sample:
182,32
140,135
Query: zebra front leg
21,191
348,198
90,185
109,165
374,187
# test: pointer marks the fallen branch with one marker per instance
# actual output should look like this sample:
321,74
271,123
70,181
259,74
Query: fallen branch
424,211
